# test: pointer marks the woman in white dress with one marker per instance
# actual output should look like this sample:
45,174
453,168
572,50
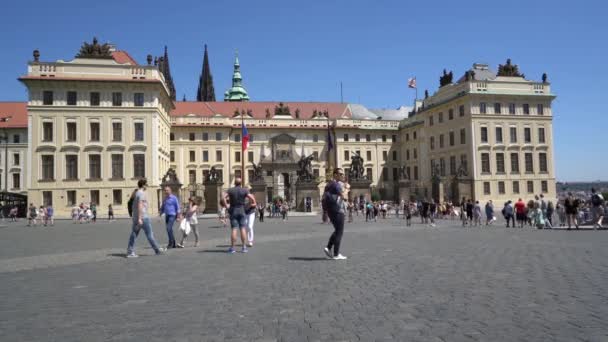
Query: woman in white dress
191,216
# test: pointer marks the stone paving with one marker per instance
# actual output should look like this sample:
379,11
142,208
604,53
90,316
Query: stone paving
71,282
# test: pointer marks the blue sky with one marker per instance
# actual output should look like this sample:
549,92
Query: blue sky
301,50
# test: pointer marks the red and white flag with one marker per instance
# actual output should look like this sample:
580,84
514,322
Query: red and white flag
411,82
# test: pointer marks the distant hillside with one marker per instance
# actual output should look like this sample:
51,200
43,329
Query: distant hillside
582,186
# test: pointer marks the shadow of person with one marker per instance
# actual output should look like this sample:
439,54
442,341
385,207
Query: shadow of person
307,258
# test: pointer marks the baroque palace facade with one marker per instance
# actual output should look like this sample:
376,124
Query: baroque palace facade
94,125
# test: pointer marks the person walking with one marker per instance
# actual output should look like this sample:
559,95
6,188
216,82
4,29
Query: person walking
141,220
170,208
334,196
571,205
42,215
94,212
432,212
261,212
507,211
250,213
191,217
33,214
549,217
110,213
520,212
235,197
597,208
475,219
350,207
489,212
50,216
407,211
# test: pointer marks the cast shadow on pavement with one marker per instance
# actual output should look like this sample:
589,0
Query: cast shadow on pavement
213,251
118,255
307,258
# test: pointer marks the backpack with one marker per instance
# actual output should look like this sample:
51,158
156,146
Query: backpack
597,200
130,205
329,201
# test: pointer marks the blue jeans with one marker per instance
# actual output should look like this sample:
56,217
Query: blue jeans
170,220
149,234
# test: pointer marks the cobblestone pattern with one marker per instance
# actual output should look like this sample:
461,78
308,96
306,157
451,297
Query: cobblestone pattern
414,284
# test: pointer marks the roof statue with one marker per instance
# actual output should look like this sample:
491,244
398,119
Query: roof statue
446,78
237,92
544,77
426,93
205,92
281,109
95,50
509,69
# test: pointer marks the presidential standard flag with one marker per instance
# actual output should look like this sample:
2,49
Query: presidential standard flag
411,82
245,139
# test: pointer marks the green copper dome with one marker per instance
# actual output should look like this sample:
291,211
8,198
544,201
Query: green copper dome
237,92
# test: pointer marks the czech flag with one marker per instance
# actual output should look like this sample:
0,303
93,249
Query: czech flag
245,137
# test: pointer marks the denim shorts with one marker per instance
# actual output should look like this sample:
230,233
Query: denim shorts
238,219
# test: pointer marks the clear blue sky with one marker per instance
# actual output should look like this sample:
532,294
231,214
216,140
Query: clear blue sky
301,50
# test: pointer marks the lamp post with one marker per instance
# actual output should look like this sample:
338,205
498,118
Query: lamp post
5,138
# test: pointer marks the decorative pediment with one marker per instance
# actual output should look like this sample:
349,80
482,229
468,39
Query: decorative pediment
283,138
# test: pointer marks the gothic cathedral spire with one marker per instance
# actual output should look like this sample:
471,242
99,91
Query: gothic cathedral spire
163,67
205,92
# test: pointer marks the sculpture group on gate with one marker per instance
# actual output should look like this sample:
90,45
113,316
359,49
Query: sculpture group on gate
403,173
213,176
357,172
258,174
305,173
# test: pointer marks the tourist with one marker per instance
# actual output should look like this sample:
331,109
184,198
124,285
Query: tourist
350,207
561,214
507,212
49,218
261,212
549,216
94,212
489,212
13,214
424,215
407,212
42,215
369,212
110,213
432,212
33,214
89,214
235,197
597,208
141,219
520,212
283,208
571,205
191,217
222,215
334,196
250,213
476,219
170,208
376,211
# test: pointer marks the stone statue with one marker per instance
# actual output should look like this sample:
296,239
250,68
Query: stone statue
509,69
305,168
357,171
94,50
446,78
257,172
462,171
403,173
426,93
213,176
544,77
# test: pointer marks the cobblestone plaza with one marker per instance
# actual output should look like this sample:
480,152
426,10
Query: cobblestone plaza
72,283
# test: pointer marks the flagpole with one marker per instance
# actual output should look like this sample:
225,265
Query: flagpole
242,150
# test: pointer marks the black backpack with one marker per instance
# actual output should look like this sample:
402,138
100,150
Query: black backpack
596,200
130,205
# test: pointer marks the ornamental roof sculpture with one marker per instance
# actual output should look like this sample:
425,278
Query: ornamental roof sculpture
95,50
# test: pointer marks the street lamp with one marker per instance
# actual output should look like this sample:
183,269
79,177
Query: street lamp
5,138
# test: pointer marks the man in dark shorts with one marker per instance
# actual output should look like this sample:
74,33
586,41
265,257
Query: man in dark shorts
236,196
571,205
334,197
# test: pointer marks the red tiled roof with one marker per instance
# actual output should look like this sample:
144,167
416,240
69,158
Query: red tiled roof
17,112
122,57
258,109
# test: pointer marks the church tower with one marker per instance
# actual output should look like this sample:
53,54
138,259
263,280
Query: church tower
163,67
205,92
237,92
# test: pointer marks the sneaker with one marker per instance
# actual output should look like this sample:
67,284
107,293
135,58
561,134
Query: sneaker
231,250
339,257
161,251
244,250
179,245
250,244
132,255
328,253
196,244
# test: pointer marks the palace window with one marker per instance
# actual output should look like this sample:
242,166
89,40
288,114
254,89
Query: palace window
482,108
497,108
191,176
71,196
452,138
541,135
384,155
394,138
463,136
346,156
117,166
395,156
116,131
501,187
485,163
383,137
192,156
138,99
513,134
345,137
486,188
529,163
191,136
205,156
463,161
395,174
542,162
527,135
94,131
16,159
139,131
514,163
484,134
71,167
530,186
544,188
385,174
442,167
369,173
441,141
117,197
237,137
94,98
515,187
71,98
171,136
315,138
71,131
357,137
116,99
500,162
526,108
315,155
139,165
368,137
451,114
369,155
94,166
237,156
407,137
47,98
205,136
172,156
452,165
16,138
47,198
48,167
94,196
407,154
415,154
415,172
499,135
432,143
16,180
461,110
250,156
440,117
511,108
218,155
540,109
431,121
218,136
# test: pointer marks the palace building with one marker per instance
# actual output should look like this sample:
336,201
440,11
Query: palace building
94,125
